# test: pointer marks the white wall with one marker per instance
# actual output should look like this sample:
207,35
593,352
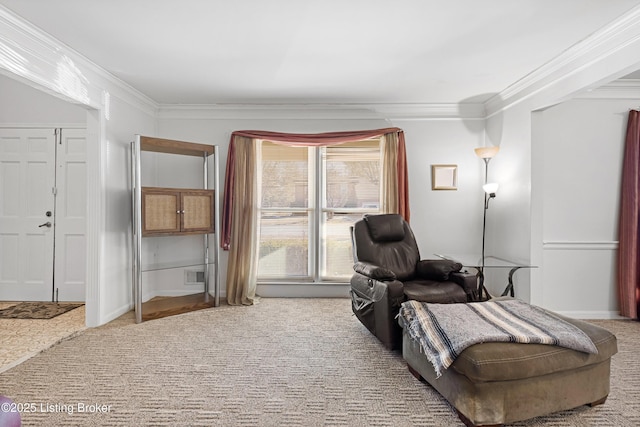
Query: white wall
125,121
518,225
445,222
582,144
509,215
21,104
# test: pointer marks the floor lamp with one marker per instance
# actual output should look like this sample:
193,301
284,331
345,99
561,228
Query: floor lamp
490,189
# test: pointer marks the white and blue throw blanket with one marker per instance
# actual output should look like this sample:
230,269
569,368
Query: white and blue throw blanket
445,330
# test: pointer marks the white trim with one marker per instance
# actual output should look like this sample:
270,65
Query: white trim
614,38
31,43
575,245
431,111
47,50
619,89
95,216
322,111
117,313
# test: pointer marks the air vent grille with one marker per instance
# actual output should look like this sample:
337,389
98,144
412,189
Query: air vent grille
193,277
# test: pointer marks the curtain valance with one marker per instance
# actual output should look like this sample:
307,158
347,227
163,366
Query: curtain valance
315,140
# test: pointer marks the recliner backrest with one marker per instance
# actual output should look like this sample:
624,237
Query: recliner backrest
387,241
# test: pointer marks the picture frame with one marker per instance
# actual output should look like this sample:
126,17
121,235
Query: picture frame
444,177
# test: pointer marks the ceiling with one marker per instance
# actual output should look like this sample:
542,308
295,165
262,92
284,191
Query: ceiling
320,51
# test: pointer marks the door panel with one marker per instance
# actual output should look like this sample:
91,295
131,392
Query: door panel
27,171
9,272
71,205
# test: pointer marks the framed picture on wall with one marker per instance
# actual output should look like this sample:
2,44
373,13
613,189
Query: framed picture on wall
444,177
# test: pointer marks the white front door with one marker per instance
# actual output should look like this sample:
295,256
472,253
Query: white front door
42,215
27,181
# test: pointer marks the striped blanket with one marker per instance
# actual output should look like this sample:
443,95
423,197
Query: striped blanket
445,330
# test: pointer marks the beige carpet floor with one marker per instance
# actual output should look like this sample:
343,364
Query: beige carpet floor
283,362
21,339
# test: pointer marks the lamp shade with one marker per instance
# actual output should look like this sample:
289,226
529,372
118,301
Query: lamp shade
487,152
491,188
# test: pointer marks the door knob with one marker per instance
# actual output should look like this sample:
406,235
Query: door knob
46,224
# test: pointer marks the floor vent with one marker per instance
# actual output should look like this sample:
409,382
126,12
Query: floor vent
193,277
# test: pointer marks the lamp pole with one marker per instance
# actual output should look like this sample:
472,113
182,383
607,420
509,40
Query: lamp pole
486,154
481,287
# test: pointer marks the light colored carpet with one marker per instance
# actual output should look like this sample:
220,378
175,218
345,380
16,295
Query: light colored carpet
21,339
283,362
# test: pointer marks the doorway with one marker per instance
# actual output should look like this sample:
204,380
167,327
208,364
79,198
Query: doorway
42,214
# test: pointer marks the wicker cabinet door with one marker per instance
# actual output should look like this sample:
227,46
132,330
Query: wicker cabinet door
197,211
160,211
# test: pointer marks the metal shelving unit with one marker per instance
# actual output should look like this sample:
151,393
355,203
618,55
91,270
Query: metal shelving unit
174,305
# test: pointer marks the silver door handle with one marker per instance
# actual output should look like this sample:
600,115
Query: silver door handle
46,224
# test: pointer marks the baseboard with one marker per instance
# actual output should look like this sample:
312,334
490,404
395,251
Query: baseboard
115,314
176,293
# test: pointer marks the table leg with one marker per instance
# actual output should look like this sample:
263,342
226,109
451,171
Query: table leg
482,291
509,289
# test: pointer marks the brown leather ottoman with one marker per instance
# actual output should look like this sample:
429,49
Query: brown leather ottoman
497,383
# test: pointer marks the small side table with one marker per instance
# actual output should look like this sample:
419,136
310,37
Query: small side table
475,261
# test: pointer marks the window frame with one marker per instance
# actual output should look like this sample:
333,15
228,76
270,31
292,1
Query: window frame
317,211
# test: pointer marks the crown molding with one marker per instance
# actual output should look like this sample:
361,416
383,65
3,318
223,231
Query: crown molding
619,36
36,58
619,89
432,111
323,111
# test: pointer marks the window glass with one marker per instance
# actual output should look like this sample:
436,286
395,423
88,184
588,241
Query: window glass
284,245
285,176
310,196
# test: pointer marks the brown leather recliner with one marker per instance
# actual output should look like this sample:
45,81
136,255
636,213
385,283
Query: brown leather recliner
388,271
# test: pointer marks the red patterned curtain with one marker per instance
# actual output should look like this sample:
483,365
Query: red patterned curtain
629,227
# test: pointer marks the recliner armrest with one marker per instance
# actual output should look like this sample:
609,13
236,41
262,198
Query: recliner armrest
375,290
437,269
468,282
374,271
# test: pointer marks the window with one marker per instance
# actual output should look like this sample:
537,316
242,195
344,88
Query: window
309,198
